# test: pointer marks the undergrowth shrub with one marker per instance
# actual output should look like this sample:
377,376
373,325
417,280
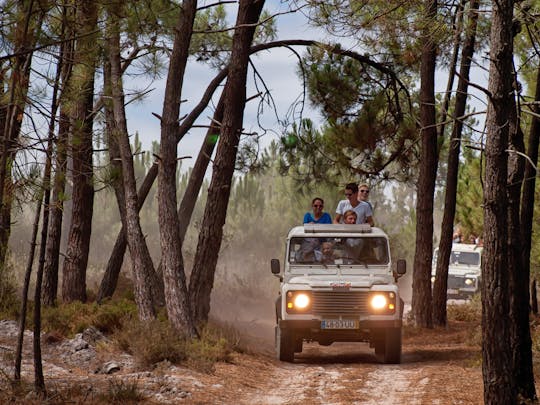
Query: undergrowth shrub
156,341
468,311
122,392
75,317
9,302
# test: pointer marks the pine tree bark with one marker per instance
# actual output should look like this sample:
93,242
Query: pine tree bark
523,355
445,245
112,271
176,298
202,275
140,256
421,288
56,210
185,211
499,383
81,82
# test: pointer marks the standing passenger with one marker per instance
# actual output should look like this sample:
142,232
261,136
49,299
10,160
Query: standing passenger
318,216
362,209
363,194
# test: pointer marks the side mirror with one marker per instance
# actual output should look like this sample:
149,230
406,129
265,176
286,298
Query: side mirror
274,266
401,267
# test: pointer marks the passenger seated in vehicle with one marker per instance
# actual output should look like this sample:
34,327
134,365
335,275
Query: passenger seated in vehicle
326,254
307,254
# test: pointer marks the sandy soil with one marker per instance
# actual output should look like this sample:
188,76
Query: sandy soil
439,366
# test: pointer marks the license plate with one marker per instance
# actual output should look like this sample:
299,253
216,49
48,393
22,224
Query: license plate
452,291
339,324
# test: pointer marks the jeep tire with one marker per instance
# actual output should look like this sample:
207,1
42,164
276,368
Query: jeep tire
285,345
388,346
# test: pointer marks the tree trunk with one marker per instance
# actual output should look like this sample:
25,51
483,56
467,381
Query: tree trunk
421,288
24,37
56,211
458,29
534,298
499,383
202,276
26,287
525,378
140,256
185,211
81,82
445,245
110,278
171,249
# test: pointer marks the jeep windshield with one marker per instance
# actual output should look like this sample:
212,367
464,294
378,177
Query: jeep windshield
348,250
458,258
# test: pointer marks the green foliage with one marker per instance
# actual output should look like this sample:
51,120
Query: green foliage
69,319
369,132
469,209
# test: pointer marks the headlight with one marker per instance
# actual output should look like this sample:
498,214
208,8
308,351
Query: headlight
301,301
432,279
382,303
298,302
469,281
378,301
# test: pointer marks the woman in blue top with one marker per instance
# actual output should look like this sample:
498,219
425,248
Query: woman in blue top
318,216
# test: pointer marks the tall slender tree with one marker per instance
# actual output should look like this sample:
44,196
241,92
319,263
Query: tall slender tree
140,256
202,275
81,82
522,353
176,297
445,245
59,156
421,298
499,382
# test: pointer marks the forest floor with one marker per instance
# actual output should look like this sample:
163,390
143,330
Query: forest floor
439,366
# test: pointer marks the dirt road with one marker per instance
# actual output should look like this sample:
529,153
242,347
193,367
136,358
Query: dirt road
439,367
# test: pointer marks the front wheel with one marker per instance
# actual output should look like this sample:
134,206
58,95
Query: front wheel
388,346
285,345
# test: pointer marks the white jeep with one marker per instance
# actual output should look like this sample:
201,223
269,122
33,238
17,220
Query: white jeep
464,270
337,285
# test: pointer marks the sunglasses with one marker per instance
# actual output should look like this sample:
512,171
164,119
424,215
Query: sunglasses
348,194
364,191
317,206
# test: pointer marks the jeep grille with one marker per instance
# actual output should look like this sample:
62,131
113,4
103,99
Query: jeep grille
458,282
336,303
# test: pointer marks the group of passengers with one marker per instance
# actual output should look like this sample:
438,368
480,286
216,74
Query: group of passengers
355,209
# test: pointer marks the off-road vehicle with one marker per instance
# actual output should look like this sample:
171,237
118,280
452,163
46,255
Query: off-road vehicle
464,270
338,285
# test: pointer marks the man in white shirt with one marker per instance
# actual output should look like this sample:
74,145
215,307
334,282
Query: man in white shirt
362,209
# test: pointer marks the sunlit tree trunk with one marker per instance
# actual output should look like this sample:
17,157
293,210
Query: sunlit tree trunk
421,293
176,298
140,256
81,82
499,383
202,275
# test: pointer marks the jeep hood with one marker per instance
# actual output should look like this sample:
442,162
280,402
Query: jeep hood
323,281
